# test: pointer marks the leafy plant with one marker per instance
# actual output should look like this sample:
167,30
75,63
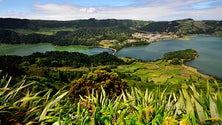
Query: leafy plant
19,104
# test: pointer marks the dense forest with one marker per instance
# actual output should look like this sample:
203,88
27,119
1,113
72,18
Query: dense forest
185,27
39,63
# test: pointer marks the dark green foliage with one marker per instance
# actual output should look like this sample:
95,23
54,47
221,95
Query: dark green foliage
82,36
185,27
42,65
176,61
178,57
156,26
10,64
110,82
138,43
16,23
105,59
38,63
37,24
64,76
35,38
8,36
90,36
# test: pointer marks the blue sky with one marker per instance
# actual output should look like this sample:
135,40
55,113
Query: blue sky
118,9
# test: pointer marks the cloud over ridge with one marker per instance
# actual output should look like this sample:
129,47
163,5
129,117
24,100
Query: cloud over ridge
142,10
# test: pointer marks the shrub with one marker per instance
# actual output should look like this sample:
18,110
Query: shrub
110,81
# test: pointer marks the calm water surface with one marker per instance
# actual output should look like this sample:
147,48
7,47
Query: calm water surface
28,49
208,47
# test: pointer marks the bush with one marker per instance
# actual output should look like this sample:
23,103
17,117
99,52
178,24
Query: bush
110,82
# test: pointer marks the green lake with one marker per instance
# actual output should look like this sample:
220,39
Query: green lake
28,49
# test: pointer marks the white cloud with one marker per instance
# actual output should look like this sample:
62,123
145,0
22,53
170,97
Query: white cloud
154,10
88,10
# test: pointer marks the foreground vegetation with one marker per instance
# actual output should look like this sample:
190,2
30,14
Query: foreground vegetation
74,88
25,103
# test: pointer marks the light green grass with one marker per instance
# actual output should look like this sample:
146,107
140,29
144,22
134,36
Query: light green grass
160,72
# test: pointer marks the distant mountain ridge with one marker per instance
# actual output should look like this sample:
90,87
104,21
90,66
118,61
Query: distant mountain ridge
92,31
14,23
186,26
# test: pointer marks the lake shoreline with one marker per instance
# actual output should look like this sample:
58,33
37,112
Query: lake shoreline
204,74
195,70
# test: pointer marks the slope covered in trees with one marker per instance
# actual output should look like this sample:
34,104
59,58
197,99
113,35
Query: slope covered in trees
17,66
90,32
13,23
186,27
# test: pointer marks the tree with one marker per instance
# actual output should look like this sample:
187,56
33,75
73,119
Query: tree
110,82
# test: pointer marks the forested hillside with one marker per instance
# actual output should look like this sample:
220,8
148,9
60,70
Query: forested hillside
91,32
17,65
185,27
13,23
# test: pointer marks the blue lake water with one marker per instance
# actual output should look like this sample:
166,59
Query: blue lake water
208,47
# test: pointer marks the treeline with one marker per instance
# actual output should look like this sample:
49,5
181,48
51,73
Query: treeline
13,23
82,36
12,37
185,27
91,36
39,63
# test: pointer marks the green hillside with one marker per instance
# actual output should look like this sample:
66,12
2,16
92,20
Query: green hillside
186,27
92,32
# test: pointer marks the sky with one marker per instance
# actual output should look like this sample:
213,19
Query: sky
157,10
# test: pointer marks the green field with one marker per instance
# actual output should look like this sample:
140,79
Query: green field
160,72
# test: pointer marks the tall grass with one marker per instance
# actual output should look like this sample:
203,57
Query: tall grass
19,104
